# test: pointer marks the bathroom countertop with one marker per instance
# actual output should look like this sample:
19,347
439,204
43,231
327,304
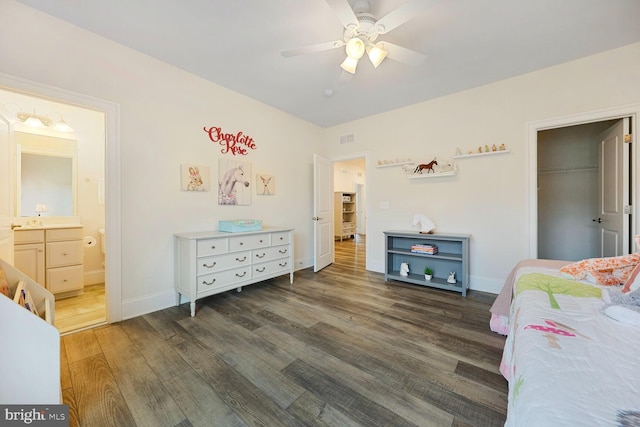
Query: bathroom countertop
47,226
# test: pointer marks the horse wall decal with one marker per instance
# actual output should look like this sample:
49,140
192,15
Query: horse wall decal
427,166
227,193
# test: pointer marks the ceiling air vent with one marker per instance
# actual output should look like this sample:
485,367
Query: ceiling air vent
344,139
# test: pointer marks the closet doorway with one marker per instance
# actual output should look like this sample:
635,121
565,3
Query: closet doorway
583,190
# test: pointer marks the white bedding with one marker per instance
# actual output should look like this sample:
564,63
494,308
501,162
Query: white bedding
567,363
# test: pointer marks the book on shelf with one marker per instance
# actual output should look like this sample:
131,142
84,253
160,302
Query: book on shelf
424,248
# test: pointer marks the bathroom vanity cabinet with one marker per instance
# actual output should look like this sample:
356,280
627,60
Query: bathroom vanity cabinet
52,256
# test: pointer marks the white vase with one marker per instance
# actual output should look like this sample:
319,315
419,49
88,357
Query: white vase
428,277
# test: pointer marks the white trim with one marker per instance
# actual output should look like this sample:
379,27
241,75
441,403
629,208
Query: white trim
533,128
113,273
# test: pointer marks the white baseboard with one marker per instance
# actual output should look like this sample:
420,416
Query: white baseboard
138,306
93,277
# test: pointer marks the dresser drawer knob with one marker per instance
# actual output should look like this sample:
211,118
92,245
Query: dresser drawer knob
261,241
204,282
241,260
213,246
209,266
282,265
260,270
282,251
241,275
261,256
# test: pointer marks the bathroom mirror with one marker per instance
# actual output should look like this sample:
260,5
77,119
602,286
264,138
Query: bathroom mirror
46,175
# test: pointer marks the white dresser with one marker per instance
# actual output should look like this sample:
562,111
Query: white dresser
210,262
52,255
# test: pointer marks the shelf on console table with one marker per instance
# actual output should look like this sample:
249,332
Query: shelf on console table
453,255
211,262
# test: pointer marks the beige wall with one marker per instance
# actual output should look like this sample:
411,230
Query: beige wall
488,197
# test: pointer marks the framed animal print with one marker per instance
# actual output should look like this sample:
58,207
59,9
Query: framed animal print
234,186
265,184
195,177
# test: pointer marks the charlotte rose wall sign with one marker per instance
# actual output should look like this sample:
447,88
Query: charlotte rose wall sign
234,143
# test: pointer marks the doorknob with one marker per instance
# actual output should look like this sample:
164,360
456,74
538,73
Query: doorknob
599,220
316,218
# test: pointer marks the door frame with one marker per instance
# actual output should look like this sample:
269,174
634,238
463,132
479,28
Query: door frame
533,128
367,170
113,203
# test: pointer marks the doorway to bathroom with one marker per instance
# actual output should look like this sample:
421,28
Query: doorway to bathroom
88,307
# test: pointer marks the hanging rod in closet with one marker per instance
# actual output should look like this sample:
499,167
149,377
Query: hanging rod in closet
568,168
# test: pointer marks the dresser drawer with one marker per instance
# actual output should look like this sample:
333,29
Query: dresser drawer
65,279
61,234
228,277
214,264
59,254
212,247
271,267
268,254
280,238
240,243
28,236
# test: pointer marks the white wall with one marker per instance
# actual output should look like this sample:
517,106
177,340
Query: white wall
162,114
488,196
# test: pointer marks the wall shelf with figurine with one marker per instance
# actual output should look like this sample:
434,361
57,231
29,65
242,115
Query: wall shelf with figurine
432,175
488,153
390,164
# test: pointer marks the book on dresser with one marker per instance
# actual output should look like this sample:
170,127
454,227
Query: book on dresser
211,262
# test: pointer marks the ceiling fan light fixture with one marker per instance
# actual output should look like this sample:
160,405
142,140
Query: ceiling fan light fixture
349,64
376,55
355,48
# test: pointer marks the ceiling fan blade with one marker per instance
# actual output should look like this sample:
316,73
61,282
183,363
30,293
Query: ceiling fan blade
402,14
345,14
401,54
312,48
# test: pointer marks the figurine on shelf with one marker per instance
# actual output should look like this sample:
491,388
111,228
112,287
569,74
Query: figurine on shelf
428,166
404,269
502,147
479,148
494,148
426,225
452,277
486,148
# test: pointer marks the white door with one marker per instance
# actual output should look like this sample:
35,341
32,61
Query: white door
323,254
360,209
613,190
7,178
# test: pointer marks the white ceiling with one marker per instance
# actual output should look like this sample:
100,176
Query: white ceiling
468,43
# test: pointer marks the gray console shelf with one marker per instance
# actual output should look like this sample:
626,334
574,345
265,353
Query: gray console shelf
452,255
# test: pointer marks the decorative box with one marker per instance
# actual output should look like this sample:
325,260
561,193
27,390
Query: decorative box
240,225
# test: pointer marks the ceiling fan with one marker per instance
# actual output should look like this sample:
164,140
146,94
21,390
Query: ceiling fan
361,30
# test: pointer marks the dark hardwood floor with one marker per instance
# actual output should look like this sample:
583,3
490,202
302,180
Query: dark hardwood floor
340,347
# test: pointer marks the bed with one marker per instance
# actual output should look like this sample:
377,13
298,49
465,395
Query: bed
567,360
